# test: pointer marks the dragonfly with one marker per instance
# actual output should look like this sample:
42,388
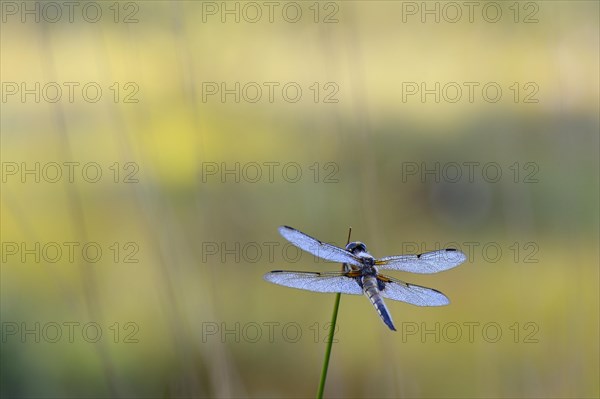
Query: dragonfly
361,275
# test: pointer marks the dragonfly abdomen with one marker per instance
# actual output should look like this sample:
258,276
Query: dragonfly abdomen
371,290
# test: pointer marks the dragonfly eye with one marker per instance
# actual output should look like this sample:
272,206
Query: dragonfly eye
356,247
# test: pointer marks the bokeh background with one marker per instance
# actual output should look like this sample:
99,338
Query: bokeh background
177,291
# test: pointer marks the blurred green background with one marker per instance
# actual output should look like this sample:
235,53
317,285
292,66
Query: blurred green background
177,291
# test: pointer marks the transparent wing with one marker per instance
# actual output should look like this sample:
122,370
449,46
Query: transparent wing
429,262
414,294
317,282
321,249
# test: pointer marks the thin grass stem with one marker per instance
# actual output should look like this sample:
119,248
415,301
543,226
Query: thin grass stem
336,306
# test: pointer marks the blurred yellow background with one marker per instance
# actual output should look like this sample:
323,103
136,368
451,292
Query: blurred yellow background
151,149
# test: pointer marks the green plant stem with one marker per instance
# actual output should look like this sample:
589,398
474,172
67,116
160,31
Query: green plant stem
336,306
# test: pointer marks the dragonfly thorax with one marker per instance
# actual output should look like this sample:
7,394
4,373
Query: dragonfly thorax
369,270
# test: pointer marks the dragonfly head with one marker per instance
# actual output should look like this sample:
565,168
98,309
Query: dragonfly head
356,247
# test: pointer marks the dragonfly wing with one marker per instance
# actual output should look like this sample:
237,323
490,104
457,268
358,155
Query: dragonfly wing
314,281
429,262
410,293
321,249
